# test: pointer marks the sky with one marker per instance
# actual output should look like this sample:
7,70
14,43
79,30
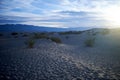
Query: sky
61,13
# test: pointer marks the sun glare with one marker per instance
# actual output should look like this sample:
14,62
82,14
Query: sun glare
112,15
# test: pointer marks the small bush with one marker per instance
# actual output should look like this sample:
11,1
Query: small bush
105,32
95,33
70,32
40,36
90,42
14,33
55,39
24,35
30,43
91,32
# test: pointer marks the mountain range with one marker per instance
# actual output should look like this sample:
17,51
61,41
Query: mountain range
32,28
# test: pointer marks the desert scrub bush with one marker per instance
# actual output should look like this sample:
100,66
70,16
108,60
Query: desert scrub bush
105,32
40,36
70,32
90,42
30,43
56,39
25,35
91,32
14,33
95,33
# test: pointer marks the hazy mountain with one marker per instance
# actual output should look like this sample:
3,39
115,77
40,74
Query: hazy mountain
31,28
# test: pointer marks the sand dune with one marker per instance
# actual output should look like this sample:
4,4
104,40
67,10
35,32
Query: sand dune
69,60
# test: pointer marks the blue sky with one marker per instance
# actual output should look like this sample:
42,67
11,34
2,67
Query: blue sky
61,13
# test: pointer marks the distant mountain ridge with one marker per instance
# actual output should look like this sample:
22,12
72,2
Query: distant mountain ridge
31,28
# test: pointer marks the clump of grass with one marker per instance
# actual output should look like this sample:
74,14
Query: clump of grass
24,35
30,43
40,36
95,33
105,32
56,39
91,32
90,42
14,33
70,32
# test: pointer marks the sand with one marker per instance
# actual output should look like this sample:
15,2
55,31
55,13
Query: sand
69,60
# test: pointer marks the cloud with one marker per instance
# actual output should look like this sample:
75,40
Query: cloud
56,13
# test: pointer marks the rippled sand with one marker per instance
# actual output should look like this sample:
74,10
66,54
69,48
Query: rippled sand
53,61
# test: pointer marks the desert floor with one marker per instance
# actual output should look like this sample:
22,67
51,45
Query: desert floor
69,60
